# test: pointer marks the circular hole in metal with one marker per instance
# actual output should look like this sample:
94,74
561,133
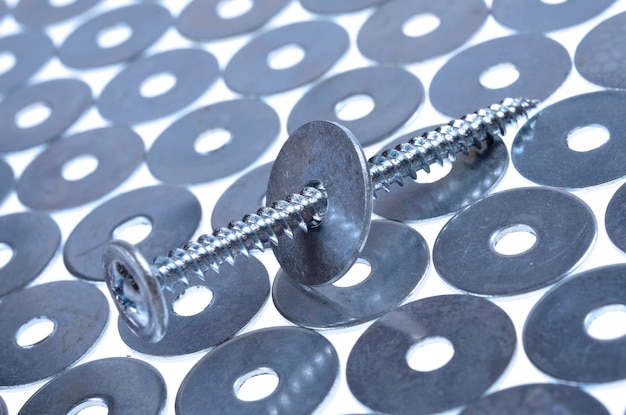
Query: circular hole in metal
157,84
230,9
91,406
606,323
430,354
354,107
514,240
437,172
60,3
134,230
587,138
212,140
32,115
114,35
6,254
34,332
499,76
553,1
7,62
420,24
192,301
256,384
355,275
285,56
79,167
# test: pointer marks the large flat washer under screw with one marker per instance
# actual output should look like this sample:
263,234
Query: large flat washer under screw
6,179
31,51
37,13
615,218
174,214
42,185
79,311
391,280
481,333
564,227
325,253
305,362
555,339
540,151
124,385
334,6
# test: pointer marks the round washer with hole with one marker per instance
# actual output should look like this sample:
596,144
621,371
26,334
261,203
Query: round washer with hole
397,94
3,407
389,283
483,338
615,218
540,150
173,213
305,362
122,100
147,22
201,20
79,312
252,125
38,13
250,72
43,186
124,385
336,7
31,50
6,179
382,38
542,64
67,99
465,252
555,335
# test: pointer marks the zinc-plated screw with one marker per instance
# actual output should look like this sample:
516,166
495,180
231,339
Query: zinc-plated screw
137,286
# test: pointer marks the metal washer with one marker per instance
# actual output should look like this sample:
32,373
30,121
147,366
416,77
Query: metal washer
253,127
42,185
3,407
389,283
194,69
79,312
543,65
481,333
325,253
541,154
6,179
200,19
239,292
397,95
334,6
464,253
249,71
36,13
382,39
31,51
173,212
555,339
147,22
67,100
125,385
305,362
34,239
615,218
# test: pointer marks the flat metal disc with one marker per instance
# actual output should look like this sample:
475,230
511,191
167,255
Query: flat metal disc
42,185
6,179
34,239
201,20
542,63
334,6
483,338
615,218
31,51
124,385
325,152
382,38
472,176
397,94
79,312
238,291
3,407
249,70
464,253
37,13
555,338
540,151
173,212
147,23
67,100
388,284
253,127
194,69
305,362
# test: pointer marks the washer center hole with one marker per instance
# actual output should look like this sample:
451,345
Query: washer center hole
33,115
499,76
285,57
79,167
355,275
429,354
34,332
514,240
437,172
7,62
6,254
61,3
91,406
606,323
587,138
420,24
157,84
230,9
192,301
256,384
354,107
114,35
134,230
212,140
